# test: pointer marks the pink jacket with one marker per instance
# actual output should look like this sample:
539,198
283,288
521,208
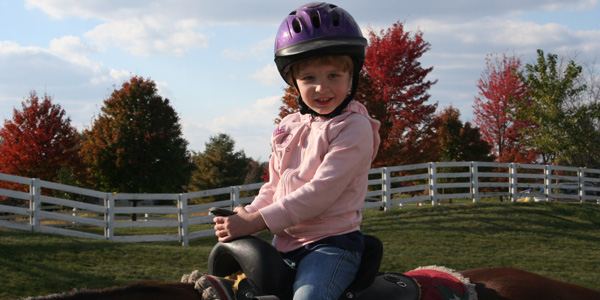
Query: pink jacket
318,176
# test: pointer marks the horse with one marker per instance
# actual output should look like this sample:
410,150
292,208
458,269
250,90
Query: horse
268,277
495,283
150,290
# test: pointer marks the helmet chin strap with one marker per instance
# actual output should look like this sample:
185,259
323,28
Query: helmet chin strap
304,109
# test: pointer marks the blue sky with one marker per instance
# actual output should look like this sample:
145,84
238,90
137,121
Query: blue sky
214,59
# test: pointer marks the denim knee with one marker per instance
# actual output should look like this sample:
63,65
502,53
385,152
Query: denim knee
325,273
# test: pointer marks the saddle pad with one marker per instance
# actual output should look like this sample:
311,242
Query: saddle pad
440,283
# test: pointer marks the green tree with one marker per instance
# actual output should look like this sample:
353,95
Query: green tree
135,145
583,150
564,126
256,172
219,165
457,141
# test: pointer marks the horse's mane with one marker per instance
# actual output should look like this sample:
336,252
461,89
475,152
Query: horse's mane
73,294
143,290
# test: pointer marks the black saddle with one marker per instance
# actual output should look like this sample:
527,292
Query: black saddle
268,277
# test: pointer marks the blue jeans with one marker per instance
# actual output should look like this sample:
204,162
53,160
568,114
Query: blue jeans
325,273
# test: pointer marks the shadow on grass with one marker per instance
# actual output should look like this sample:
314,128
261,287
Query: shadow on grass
41,264
539,219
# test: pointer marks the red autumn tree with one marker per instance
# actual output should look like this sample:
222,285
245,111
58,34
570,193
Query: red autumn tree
290,103
398,95
40,142
494,108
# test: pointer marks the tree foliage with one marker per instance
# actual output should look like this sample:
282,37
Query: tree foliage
219,165
566,129
457,141
290,103
397,96
40,142
500,88
135,145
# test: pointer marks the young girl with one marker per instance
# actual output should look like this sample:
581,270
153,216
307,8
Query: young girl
321,155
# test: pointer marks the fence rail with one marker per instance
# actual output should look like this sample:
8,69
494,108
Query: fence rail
73,211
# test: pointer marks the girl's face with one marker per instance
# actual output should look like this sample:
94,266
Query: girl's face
323,87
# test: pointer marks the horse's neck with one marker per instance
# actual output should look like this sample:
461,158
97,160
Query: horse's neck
136,291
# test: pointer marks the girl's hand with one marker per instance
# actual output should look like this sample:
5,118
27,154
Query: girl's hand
241,224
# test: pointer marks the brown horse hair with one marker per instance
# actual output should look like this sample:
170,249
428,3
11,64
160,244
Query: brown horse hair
135,291
496,283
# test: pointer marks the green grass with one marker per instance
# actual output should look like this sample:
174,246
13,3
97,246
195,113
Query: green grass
558,240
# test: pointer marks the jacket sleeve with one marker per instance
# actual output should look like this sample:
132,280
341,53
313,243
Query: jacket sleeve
347,160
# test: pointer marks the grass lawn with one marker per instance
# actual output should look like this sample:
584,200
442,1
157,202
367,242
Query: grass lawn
558,240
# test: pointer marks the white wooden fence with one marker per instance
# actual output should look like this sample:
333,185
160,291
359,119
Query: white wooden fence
47,206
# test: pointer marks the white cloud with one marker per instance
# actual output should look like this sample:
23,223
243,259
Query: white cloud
113,76
150,35
528,34
250,128
73,50
68,45
157,27
263,48
176,27
63,56
498,34
62,70
92,9
262,112
569,5
232,12
590,42
164,90
11,47
268,75
273,11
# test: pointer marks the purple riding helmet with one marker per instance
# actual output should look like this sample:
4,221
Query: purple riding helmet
319,29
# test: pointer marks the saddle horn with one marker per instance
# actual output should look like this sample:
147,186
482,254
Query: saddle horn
258,259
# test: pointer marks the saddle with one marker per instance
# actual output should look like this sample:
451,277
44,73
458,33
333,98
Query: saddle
269,278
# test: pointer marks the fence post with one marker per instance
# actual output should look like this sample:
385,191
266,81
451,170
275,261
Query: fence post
433,183
182,200
109,216
235,196
35,205
513,182
547,181
474,182
581,176
386,187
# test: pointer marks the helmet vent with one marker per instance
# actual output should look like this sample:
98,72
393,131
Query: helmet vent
315,19
335,19
297,26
